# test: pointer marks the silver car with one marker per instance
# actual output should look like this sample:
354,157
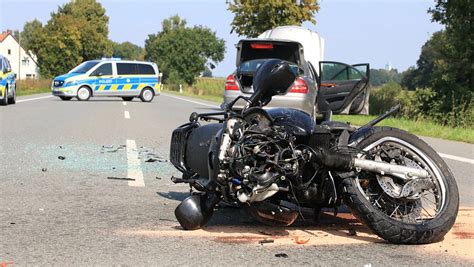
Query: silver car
341,89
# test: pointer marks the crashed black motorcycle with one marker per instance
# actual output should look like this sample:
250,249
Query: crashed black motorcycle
272,162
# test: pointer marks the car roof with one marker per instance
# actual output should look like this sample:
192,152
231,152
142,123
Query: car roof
123,61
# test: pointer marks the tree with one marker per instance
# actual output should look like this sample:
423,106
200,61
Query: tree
77,32
32,35
183,51
127,50
253,17
94,31
59,46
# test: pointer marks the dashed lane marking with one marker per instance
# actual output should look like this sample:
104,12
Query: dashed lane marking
134,168
124,103
126,114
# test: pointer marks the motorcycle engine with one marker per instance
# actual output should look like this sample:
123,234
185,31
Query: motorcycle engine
261,158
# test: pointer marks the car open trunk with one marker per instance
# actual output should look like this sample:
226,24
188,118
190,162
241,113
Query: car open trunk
252,49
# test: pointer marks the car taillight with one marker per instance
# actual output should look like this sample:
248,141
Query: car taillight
231,84
299,86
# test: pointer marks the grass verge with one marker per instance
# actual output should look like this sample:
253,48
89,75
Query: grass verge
32,86
212,98
424,128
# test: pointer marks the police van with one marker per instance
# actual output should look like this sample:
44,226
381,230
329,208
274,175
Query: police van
109,77
7,83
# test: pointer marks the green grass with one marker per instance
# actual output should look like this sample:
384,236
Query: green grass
424,128
32,86
212,98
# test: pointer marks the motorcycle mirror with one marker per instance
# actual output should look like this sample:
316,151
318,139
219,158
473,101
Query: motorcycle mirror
273,77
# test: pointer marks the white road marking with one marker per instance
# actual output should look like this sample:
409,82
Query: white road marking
447,156
33,99
124,103
191,101
126,114
134,169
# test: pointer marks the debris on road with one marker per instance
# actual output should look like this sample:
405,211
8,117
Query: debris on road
266,241
44,169
61,157
281,255
301,241
148,155
158,178
112,148
121,178
352,232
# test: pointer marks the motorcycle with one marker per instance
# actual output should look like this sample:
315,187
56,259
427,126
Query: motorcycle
273,162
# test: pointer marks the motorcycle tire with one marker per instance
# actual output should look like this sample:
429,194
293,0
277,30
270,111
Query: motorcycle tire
403,228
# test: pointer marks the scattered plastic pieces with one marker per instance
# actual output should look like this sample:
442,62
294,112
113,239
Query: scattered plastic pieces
266,241
281,255
301,241
121,178
352,232
61,157
44,169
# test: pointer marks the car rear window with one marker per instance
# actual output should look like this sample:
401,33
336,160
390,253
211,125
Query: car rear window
288,51
145,69
126,68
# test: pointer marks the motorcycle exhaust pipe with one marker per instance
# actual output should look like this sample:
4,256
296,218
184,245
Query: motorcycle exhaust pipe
345,162
403,172
195,211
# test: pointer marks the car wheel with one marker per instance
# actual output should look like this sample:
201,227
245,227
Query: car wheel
127,98
83,94
147,95
65,98
12,100
4,101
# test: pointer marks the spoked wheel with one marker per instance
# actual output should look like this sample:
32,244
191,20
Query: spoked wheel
401,210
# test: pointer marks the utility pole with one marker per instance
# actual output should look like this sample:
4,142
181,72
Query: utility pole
19,55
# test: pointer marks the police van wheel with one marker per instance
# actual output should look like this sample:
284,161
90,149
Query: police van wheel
4,101
65,98
83,94
127,98
12,100
147,95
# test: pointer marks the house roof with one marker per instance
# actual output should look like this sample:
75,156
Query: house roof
7,33
4,35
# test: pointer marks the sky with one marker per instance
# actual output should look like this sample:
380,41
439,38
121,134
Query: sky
355,31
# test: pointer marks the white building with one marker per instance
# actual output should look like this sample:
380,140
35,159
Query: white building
22,63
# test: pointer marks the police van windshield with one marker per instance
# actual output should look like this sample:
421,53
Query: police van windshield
84,67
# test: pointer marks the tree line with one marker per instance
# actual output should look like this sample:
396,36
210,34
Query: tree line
78,31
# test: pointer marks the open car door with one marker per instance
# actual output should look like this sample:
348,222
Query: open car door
343,88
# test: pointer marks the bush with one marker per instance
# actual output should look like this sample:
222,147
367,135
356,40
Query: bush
422,104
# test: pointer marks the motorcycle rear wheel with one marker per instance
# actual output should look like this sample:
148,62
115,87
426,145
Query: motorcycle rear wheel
424,218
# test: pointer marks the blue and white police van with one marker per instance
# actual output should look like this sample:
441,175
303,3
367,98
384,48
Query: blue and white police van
7,83
109,77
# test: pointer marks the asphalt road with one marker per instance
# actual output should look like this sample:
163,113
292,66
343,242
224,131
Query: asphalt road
63,202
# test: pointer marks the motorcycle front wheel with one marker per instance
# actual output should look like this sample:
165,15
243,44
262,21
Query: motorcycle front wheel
396,209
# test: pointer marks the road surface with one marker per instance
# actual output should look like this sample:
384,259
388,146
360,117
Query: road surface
64,199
